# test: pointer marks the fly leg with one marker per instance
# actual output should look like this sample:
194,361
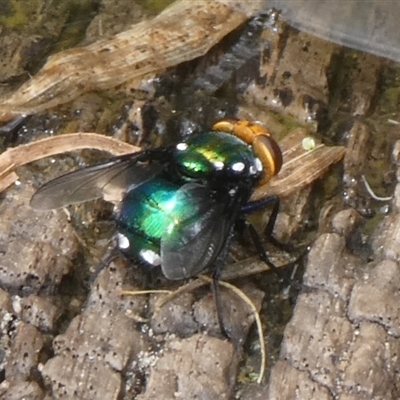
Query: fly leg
105,262
216,277
270,201
218,301
254,206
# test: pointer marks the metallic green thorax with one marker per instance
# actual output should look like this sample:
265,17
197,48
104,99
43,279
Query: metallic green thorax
203,156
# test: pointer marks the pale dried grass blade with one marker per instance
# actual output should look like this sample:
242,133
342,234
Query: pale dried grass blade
183,31
300,167
24,154
257,320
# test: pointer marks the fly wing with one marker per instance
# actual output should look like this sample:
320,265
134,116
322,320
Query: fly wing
198,234
108,180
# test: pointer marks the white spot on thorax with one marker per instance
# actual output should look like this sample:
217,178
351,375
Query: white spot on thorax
238,167
218,165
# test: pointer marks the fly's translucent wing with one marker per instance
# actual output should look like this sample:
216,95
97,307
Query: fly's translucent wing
108,180
198,234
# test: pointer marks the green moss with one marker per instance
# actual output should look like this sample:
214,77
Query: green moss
247,375
156,5
33,13
20,13
80,14
287,125
371,224
391,100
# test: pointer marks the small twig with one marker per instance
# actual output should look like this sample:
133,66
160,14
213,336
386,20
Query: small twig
136,317
371,192
393,121
257,319
203,280
140,292
244,268
187,287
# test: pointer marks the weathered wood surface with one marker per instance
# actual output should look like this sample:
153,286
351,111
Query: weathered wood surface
60,339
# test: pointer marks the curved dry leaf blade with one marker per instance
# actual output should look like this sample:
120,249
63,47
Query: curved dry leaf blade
183,31
24,154
300,167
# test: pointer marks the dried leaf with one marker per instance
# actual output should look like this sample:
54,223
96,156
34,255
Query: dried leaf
183,31
26,153
300,166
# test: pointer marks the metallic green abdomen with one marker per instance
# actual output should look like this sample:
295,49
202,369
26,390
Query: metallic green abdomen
145,216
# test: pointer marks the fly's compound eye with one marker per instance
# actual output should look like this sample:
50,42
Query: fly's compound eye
270,155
